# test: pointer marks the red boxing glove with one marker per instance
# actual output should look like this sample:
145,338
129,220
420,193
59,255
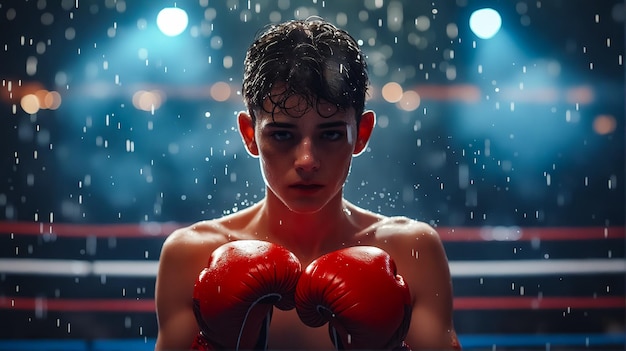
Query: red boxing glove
234,296
356,290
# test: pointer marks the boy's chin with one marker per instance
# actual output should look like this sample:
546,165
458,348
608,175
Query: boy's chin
305,207
305,210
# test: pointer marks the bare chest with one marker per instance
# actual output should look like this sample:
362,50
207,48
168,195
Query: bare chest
288,332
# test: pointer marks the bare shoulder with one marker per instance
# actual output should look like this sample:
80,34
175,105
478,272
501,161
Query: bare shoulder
198,234
419,256
193,244
404,229
184,254
417,250
189,248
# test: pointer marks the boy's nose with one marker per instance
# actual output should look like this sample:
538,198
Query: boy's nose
306,156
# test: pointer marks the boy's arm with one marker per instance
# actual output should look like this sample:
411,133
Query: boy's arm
427,272
174,290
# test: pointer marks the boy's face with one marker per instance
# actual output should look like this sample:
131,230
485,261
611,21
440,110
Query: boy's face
305,160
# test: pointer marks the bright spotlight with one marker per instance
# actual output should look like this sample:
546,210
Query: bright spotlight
172,21
485,23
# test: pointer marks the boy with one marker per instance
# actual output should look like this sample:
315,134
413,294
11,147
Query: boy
304,87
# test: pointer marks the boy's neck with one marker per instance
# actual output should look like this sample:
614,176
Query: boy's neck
307,234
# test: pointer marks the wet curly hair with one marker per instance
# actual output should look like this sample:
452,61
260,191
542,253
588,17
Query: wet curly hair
311,60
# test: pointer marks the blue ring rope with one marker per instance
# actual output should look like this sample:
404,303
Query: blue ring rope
469,341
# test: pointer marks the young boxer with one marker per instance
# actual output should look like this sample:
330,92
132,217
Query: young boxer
340,277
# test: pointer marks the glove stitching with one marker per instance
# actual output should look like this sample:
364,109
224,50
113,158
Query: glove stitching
245,318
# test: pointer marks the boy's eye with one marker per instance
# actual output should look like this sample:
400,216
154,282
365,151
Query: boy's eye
281,135
332,135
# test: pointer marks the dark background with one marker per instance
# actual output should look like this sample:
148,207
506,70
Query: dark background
506,133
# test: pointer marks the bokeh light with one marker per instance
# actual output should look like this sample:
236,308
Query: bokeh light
503,128
485,23
409,101
172,21
392,92
148,100
40,100
220,91
30,103
604,124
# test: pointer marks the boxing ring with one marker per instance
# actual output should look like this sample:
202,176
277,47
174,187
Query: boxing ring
106,120
91,287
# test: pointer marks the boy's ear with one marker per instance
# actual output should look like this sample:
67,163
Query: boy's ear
246,129
364,132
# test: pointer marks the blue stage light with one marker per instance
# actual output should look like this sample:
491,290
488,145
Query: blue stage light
172,21
485,23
